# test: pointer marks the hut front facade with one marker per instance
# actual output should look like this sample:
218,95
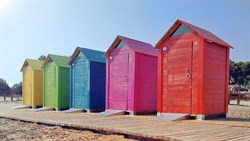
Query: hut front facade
32,86
56,82
131,76
87,80
192,72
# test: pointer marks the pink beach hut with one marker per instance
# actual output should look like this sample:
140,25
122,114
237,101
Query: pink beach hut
131,76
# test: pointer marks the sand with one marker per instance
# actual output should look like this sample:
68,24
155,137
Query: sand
24,131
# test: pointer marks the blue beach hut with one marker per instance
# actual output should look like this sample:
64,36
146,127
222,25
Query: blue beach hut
87,80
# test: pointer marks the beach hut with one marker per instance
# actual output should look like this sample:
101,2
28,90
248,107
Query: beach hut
87,79
131,76
32,85
56,82
192,72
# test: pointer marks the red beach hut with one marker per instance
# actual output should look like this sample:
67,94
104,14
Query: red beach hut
192,72
131,76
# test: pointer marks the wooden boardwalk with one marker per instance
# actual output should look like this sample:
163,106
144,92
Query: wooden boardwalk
140,127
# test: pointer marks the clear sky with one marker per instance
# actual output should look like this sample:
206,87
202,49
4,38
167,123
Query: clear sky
30,28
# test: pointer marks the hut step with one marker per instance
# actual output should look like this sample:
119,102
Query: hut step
72,110
23,107
112,112
172,116
43,109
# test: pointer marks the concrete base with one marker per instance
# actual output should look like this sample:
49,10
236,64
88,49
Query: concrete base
171,116
72,110
22,107
43,109
112,112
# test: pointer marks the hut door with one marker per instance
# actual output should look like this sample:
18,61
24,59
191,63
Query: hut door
177,80
50,85
80,85
118,96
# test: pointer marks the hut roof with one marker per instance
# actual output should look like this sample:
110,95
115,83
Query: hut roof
196,30
90,54
137,46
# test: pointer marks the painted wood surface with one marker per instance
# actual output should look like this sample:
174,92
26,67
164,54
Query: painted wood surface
177,77
118,97
50,95
131,74
97,85
192,72
27,86
63,88
87,80
80,83
56,86
145,83
37,98
32,84
215,70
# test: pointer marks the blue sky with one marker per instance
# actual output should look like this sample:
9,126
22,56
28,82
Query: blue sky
30,28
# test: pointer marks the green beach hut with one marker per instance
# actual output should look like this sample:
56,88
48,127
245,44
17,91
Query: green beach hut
56,82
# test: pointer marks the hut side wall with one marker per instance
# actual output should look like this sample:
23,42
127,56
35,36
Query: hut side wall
215,78
145,83
63,88
37,98
97,85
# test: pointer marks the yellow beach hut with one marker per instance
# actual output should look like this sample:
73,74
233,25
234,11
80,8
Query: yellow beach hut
32,86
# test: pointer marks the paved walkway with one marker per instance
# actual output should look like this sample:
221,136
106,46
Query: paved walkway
137,126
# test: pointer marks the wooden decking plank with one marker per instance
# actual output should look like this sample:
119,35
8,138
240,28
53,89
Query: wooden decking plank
244,137
209,135
218,136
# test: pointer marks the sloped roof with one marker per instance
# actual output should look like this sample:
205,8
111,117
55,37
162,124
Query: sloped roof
196,30
90,54
61,61
137,46
34,64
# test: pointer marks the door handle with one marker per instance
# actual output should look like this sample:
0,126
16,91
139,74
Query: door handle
187,73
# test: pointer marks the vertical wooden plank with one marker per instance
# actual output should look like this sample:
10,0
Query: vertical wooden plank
200,77
44,75
23,86
135,82
70,88
159,81
57,89
33,100
227,80
107,82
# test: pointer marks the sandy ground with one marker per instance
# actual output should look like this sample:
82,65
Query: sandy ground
24,131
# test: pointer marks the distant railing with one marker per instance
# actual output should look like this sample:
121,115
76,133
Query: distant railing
12,97
239,96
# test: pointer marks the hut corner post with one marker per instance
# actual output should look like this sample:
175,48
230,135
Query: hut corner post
200,115
107,83
159,82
